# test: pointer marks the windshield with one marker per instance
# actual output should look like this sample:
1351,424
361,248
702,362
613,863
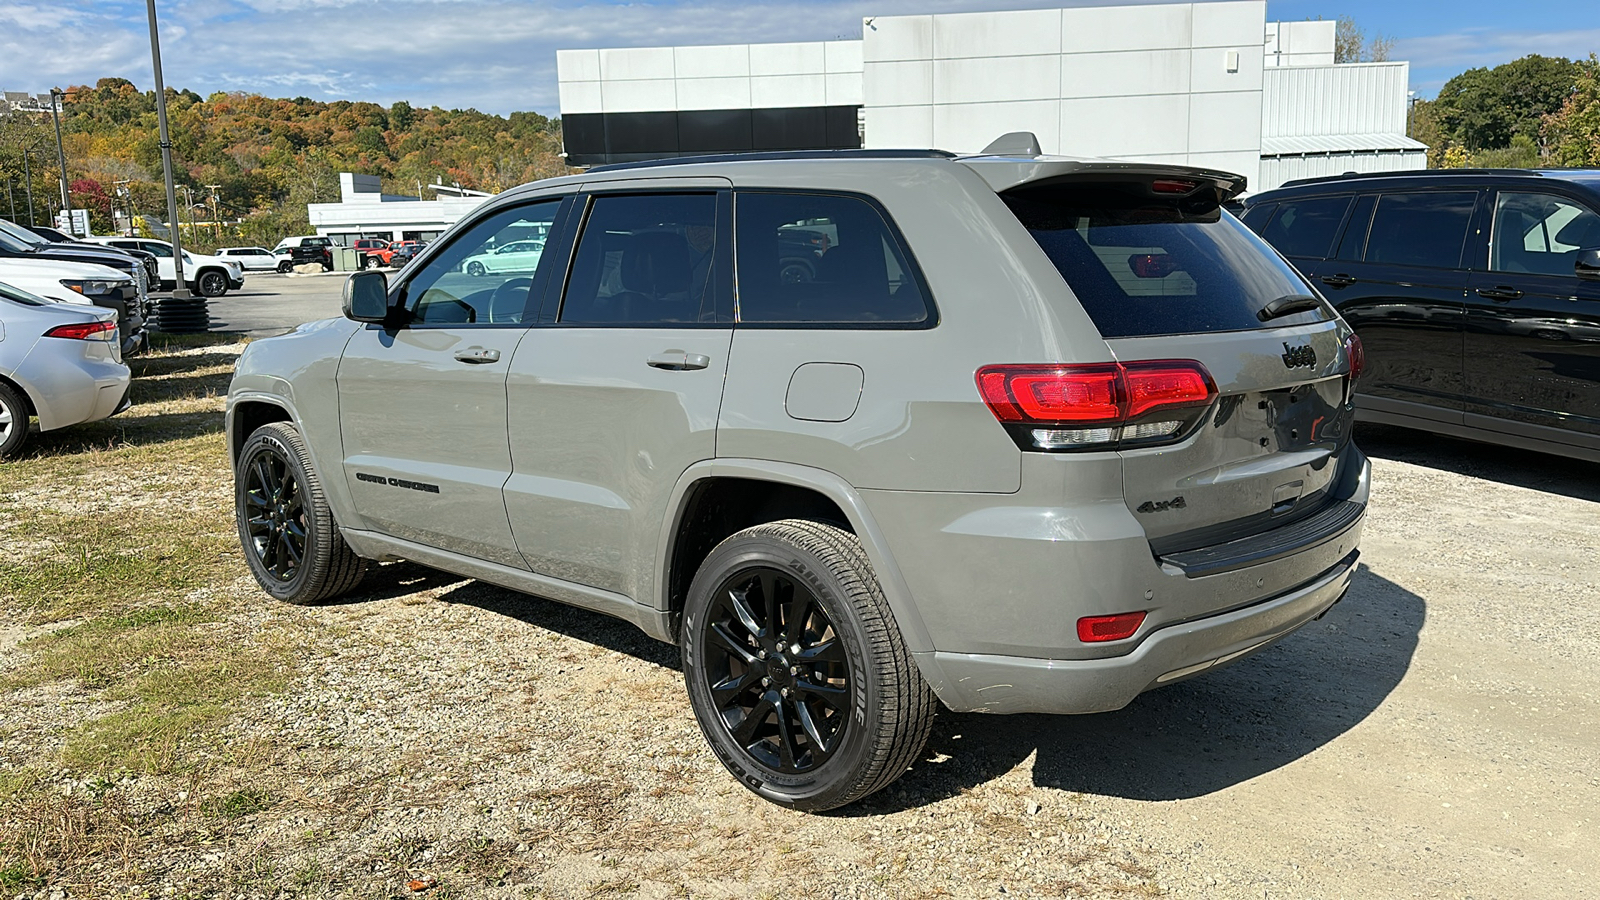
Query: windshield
1144,265
21,234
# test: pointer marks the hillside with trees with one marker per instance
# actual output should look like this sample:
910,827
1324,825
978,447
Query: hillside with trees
1531,112
268,157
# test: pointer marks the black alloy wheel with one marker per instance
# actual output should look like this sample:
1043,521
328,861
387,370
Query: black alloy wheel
212,283
285,267
779,674
13,421
290,539
796,669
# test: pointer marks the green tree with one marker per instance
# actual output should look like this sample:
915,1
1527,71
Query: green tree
1572,133
1482,108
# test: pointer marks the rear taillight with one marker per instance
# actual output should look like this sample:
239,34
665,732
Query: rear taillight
84,331
1098,406
1354,352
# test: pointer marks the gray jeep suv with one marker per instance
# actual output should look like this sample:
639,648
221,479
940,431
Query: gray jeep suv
858,431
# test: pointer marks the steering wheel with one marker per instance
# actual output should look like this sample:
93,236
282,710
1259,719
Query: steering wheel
509,300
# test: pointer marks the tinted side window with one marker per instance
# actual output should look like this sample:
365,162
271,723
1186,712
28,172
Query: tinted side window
1540,233
822,259
1257,216
1306,227
644,259
1420,229
1354,241
470,283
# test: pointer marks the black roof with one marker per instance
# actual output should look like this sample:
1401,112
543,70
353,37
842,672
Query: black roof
1581,174
775,155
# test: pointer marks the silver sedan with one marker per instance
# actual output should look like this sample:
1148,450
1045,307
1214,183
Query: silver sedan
59,362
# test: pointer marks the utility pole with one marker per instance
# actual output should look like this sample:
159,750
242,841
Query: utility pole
180,289
12,196
215,219
61,154
27,182
117,190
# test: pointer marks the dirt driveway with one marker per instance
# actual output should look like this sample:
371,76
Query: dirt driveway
1435,735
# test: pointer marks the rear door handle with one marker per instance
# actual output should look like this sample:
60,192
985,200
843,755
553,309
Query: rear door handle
478,355
1338,280
1502,293
678,361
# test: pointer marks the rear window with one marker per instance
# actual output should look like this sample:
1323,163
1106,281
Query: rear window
1142,265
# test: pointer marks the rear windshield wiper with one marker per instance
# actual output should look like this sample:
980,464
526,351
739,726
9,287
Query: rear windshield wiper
1288,303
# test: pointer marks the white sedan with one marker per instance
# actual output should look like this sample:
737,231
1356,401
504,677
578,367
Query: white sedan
59,362
517,256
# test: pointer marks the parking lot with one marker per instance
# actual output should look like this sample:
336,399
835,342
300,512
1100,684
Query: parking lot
1435,735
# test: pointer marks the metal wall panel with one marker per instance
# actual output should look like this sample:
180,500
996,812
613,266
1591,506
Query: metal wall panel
1275,170
1343,99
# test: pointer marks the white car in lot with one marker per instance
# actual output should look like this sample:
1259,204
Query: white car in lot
208,276
59,363
252,259
83,284
517,256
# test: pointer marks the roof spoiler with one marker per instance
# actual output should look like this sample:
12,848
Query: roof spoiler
1005,173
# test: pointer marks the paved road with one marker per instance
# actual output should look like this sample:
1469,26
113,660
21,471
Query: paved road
272,304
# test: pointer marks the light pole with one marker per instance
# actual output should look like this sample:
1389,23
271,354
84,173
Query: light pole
27,183
180,288
61,154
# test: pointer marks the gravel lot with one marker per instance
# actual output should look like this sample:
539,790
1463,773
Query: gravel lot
1435,735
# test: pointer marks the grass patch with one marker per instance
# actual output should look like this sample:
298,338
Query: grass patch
238,804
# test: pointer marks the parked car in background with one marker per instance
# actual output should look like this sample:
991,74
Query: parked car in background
59,363
208,276
516,256
252,259
302,249
1476,294
1037,435
19,243
373,252
402,252
152,271
83,284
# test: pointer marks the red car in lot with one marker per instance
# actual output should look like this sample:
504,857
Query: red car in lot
374,252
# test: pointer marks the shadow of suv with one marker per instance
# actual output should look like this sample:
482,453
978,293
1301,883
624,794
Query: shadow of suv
1027,434
1476,294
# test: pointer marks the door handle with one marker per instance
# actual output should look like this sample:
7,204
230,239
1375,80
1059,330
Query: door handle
478,355
1500,293
678,361
1338,280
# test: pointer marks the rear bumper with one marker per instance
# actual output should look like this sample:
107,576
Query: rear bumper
1009,684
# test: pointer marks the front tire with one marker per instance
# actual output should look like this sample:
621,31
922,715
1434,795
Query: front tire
288,533
212,283
796,669
285,267
475,269
13,421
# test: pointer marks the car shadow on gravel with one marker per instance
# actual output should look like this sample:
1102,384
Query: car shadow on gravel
1507,465
1198,736
581,624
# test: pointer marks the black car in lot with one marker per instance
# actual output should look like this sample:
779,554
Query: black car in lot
1476,293
152,270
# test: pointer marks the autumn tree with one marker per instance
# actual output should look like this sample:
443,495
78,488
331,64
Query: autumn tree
1572,133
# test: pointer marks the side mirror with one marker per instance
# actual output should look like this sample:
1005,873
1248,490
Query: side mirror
366,297
1587,265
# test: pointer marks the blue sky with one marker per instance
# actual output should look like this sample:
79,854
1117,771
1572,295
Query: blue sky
499,55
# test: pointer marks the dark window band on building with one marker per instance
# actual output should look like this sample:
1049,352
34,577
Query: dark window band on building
594,139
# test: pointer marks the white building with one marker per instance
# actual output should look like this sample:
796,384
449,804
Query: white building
365,211
1207,84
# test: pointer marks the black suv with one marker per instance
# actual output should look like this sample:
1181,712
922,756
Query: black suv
1476,293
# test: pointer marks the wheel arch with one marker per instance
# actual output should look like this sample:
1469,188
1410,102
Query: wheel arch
22,391
248,413
716,498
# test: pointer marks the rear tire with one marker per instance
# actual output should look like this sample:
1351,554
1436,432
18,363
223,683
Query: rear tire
13,421
285,267
796,669
290,539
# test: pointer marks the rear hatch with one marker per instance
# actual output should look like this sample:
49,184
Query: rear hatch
1170,280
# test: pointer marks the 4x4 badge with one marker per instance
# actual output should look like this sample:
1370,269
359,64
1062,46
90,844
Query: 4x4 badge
1296,357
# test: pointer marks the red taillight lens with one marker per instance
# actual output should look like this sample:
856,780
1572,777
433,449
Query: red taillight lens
1105,397
1094,629
1172,186
1152,265
84,331
1357,355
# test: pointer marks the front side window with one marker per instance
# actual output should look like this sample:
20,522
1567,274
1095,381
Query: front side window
644,259
162,250
1540,234
822,259
1420,229
1306,228
468,285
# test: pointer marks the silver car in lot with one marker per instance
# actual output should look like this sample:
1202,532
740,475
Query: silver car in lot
59,363
861,432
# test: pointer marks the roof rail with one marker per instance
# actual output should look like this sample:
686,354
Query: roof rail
774,155
1409,173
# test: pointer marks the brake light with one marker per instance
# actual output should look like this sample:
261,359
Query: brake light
1096,406
84,331
1357,355
1094,629
1172,186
